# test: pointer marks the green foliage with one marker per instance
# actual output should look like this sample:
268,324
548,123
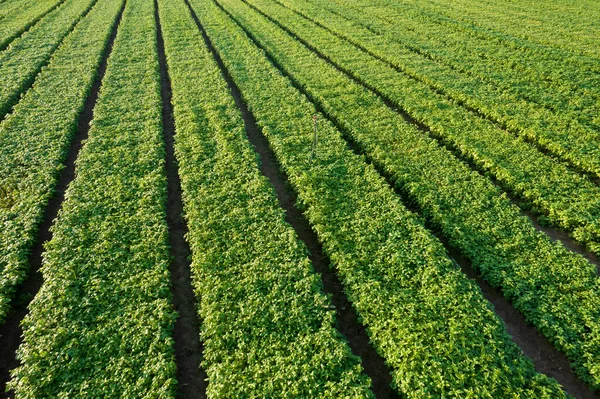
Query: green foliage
267,329
557,30
431,324
35,137
101,324
562,196
100,327
544,97
21,62
18,16
533,272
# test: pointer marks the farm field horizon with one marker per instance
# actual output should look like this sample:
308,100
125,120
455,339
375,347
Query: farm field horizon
299,199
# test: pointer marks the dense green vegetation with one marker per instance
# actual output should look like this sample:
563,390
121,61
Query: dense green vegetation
100,327
561,195
17,17
22,61
526,104
556,24
432,46
35,138
267,332
395,273
410,132
533,272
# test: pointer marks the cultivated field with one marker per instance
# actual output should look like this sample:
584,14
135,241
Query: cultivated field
299,199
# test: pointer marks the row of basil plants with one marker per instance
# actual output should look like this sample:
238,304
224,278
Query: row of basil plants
267,329
556,290
431,324
101,324
35,139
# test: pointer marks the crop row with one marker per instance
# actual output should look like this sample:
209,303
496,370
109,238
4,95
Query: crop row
556,290
466,81
23,60
570,27
101,324
561,195
35,138
548,116
267,328
403,286
557,64
566,90
17,18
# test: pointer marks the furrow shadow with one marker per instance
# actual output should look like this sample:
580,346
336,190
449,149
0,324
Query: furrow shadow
191,378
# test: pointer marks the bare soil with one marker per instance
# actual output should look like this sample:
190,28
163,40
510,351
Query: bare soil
546,359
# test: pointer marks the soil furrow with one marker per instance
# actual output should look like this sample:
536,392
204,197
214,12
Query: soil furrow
535,346
347,320
545,357
11,331
192,380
